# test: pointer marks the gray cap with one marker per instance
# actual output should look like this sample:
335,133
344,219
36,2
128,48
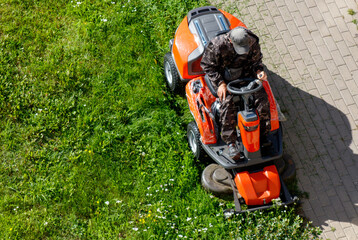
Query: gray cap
240,40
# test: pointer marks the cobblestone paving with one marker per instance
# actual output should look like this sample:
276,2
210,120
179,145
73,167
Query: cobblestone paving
311,52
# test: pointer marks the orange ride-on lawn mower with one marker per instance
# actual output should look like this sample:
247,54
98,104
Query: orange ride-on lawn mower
257,178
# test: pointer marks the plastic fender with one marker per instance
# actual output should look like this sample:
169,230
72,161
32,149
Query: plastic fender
259,188
184,44
202,119
275,124
234,22
250,139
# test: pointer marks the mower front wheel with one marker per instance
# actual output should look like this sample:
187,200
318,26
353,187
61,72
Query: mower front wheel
193,135
171,74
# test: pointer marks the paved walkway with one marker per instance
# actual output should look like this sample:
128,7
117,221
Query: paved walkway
310,48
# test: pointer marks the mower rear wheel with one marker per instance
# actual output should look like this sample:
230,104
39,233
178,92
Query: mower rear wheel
193,135
171,74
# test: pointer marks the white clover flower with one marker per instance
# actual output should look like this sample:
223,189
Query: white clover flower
106,202
135,229
79,3
188,219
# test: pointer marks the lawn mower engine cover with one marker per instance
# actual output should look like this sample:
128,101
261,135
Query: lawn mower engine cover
194,33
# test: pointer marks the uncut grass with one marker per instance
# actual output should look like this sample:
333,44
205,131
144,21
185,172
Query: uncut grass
91,143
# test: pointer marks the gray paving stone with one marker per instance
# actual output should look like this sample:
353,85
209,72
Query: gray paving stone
354,50
323,29
335,94
338,230
315,13
338,60
350,234
343,49
348,39
321,86
332,67
352,85
342,25
354,112
285,13
322,6
273,8
304,11
310,24
351,64
347,97
335,33
298,18
325,53
286,36
334,10
330,235
342,106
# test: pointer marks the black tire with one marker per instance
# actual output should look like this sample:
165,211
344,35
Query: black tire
171,73
193,135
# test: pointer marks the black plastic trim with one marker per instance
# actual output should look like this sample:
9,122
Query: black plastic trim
201,11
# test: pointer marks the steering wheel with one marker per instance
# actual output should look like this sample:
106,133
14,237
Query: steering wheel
254,86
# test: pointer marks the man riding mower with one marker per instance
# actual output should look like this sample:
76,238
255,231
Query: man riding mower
235,112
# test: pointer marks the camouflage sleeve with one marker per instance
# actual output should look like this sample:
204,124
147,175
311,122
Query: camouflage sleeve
256,58
211,63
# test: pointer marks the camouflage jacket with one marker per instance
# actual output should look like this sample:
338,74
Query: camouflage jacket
221,63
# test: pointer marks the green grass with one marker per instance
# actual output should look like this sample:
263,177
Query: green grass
92,145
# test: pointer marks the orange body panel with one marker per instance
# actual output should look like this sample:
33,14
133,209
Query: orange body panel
233,20
202,118
260,187
250,139
275,124
185,43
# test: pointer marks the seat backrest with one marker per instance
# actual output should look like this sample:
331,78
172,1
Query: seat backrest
210,86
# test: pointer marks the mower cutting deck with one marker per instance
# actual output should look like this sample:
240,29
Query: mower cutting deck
256,179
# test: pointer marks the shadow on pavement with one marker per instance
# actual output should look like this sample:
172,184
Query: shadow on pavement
318,136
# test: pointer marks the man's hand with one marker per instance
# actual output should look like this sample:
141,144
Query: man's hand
261,75
222,91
